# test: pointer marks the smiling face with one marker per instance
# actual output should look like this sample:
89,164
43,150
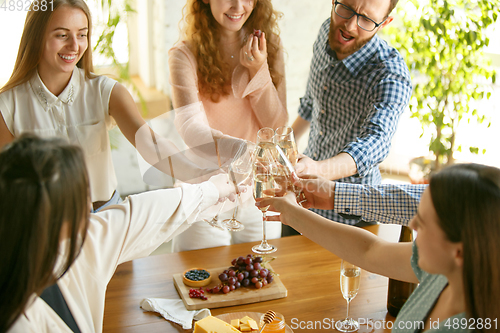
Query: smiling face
437,255
231,14
65,41
345,36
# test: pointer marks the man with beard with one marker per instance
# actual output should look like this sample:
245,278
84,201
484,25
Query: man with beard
358,87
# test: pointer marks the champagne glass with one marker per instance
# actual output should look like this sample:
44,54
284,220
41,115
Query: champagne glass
233,224
285,139
263,180
240,170
214,222
350,275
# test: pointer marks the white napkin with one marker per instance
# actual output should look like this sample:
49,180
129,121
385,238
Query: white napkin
174,310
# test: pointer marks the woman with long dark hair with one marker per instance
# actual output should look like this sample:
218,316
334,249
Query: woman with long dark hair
56,257
455,256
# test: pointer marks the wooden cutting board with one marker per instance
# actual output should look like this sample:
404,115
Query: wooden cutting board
243,295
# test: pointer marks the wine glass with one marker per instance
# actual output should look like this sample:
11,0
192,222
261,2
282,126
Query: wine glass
285,139
350,276
232,224
214,222
263,180
240,170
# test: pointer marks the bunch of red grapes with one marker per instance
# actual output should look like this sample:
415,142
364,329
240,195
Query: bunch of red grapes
197,293
244,272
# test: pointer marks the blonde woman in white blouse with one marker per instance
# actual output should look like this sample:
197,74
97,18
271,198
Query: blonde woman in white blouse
53,92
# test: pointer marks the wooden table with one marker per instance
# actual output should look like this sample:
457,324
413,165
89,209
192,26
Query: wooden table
308,271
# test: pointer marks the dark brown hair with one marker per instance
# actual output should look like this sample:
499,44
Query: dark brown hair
44,198
467,201
33,41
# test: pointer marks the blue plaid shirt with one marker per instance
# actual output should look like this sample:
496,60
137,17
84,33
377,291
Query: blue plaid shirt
354,106
387,203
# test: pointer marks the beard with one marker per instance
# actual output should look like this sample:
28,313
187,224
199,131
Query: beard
342,51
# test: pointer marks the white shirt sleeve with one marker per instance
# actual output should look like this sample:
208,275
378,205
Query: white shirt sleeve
119,233
143,222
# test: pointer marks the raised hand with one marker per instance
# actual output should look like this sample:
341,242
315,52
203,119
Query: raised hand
307,166
254,53
227,189
318,192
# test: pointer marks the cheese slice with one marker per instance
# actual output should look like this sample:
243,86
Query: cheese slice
235,323
245,328
245,319
212,324
253,324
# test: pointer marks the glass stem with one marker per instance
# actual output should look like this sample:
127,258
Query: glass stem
264,219
347,315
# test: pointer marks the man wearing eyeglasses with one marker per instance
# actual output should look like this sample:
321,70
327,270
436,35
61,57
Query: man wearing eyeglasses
358,87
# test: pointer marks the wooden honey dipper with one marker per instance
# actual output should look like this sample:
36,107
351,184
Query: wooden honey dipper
268,318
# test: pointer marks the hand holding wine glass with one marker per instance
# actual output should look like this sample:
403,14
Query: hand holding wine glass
263,180
350,276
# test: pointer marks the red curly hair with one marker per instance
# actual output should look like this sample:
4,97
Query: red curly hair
201,31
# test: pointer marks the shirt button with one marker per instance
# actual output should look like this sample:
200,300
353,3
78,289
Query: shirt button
321,133
325,87
322,111
315,155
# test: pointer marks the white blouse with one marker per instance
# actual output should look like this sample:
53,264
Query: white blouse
117,234
80,114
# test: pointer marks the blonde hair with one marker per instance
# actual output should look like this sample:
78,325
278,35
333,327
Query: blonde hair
201,31
33,40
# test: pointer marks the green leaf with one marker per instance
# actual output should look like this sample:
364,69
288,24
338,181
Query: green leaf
474,150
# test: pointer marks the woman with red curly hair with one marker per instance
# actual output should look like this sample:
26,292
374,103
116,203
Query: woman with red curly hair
227,72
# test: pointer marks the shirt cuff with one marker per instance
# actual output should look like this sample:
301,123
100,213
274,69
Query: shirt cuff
359,160
305,109
209,195
347,199
243,85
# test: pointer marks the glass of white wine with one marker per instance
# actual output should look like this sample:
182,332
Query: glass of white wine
350,276
285,139
263,180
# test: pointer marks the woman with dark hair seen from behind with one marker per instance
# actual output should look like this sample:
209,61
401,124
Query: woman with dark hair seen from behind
455,257
49,241
227,75
53,92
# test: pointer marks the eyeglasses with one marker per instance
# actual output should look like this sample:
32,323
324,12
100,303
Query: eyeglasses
363,22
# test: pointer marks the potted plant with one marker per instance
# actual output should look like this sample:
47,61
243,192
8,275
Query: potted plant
443,42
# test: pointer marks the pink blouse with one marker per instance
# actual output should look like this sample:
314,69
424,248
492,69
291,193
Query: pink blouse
254,103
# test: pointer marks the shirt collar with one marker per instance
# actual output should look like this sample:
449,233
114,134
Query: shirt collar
358,59
48,99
